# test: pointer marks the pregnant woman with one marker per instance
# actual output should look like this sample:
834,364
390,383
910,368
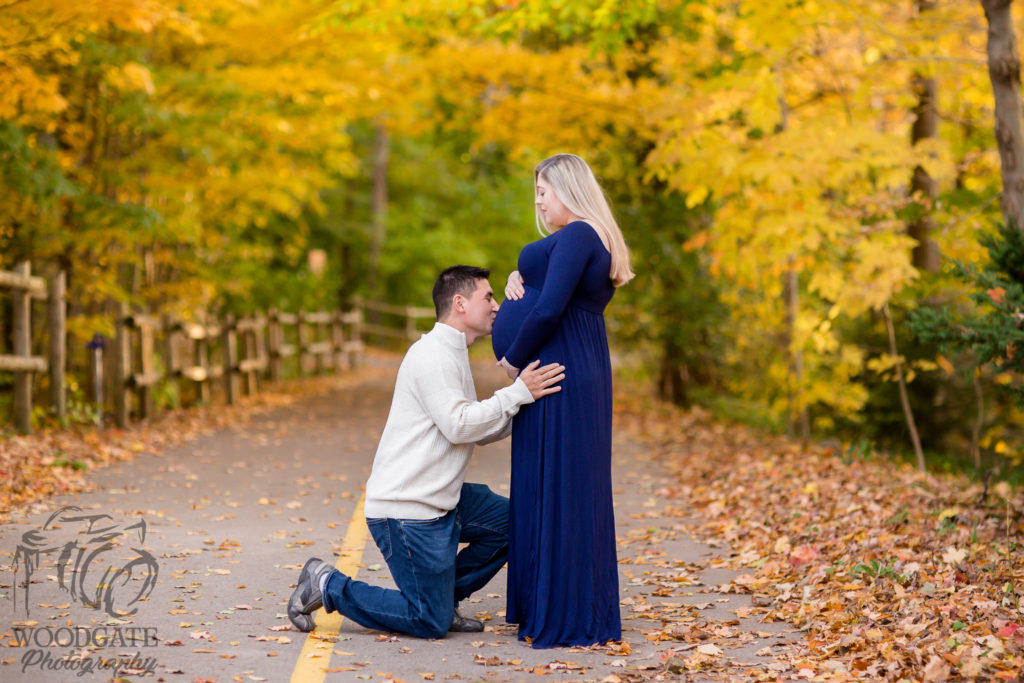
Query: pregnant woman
562,569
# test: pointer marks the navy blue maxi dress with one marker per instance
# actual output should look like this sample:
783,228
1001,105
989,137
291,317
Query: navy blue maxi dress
562,569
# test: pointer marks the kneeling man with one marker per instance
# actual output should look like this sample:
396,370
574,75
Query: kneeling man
418,507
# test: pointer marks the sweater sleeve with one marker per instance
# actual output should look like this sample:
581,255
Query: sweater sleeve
498,435
566,264
459,418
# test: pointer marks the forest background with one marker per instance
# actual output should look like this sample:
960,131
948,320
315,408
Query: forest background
811,189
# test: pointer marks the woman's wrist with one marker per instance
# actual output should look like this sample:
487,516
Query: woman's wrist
512,370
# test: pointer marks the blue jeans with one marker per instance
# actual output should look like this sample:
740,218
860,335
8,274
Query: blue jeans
431,573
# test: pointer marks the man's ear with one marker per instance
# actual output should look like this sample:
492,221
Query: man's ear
459,303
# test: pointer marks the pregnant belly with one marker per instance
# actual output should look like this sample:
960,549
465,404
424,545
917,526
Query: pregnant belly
510,318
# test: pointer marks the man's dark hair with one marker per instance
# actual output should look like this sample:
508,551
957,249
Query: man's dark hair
456,280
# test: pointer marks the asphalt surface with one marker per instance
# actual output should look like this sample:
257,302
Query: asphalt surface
231,517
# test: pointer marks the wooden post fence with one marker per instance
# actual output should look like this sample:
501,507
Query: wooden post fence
229,346
57,316
22,362
145,380
252,361
239,351
404,317
122,366
319,344
196,339
280,350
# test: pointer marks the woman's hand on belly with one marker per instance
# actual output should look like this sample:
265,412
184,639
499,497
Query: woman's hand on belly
514,287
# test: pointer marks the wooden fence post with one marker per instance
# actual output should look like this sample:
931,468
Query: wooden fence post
251,361
146,351
337,341
301,332
170,357
122,366
230,341
357,330
274,341
57,314
201,359
247,351
320,328
410,323
96,376
261,353
22,346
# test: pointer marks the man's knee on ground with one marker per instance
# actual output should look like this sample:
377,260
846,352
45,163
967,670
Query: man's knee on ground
434,632
434,625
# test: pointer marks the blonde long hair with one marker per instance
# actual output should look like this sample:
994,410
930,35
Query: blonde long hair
577,188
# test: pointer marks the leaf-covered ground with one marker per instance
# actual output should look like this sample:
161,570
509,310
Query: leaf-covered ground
883,574
53,462
889,575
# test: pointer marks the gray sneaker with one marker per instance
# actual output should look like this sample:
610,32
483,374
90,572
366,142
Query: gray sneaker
306,597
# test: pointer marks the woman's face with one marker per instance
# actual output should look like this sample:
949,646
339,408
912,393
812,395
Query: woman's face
552,210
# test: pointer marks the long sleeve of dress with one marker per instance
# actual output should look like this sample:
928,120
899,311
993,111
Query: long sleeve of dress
568,260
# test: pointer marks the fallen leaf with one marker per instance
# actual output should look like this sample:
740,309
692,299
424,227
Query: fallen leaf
1008,630
953,555
803,554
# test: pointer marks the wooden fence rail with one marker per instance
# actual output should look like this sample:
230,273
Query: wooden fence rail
154,353
405,315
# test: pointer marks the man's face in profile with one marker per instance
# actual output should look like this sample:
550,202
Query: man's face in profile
481,309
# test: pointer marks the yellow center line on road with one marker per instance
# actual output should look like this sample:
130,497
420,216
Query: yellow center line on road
315,657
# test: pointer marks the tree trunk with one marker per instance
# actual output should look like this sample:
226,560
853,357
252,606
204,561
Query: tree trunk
908,413
381,150
1004,72
673,376
926,126
979,422
797,413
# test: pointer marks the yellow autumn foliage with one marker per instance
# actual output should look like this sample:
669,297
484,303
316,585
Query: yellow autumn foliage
213,128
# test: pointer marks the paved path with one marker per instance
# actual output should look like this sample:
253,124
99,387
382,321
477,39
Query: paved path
232,516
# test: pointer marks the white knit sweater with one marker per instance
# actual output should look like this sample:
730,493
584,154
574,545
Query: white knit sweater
434,421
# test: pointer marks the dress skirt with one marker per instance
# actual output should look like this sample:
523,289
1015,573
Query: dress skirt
562,567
